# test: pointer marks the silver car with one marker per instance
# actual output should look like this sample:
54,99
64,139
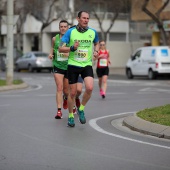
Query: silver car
34,60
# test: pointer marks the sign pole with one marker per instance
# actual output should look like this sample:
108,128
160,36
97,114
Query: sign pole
9,53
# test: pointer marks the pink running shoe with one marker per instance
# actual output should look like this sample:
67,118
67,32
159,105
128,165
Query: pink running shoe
103,95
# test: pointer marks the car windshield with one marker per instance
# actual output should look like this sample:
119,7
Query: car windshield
41,54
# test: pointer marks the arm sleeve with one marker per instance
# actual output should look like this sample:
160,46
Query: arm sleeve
96,39
66,37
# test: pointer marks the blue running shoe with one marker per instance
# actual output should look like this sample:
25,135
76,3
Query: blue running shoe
71,122
81,115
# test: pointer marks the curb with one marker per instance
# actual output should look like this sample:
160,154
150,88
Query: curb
13,87
137,124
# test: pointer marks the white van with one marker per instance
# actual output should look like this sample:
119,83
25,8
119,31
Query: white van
149,61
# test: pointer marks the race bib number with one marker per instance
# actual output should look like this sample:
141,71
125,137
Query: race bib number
81,55
103,62
61,57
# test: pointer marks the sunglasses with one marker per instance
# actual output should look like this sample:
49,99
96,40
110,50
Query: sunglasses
102,44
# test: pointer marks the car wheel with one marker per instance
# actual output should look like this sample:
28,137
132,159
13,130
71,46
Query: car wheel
30,69
151,74
129,73
17,68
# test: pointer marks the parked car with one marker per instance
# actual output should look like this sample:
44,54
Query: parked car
149,61
34,60
16,54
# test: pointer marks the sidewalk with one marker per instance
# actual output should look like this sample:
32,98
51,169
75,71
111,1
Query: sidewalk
13,87
137,124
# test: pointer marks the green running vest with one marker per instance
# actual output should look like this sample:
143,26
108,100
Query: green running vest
59,60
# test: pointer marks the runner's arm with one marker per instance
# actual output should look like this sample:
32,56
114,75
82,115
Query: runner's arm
96,50
64,49
108,59
50,56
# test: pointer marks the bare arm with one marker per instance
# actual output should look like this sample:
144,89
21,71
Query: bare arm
108,57
50,56
64,49
96,50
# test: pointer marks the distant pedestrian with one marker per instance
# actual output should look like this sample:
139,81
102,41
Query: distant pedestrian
102,70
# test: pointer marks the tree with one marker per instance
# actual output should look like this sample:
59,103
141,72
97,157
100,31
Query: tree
44,11
156,17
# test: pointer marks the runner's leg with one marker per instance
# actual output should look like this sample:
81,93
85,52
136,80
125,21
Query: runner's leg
88,81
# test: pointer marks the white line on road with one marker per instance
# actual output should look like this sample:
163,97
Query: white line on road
94,125
33,89
4,105
154,90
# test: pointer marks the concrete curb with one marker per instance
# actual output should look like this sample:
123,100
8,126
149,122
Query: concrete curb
13,87
137,124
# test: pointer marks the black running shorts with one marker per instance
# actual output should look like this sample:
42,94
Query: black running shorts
102,71
60,71
74,72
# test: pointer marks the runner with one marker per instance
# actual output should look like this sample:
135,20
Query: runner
80,39
102,69
60,61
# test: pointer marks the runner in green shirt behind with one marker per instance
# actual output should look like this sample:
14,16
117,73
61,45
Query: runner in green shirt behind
60,61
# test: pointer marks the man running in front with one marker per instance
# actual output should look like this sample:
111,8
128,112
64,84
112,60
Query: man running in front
79,40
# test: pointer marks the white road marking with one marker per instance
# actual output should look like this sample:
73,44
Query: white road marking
154,90
4,105
46,95
33,89
116,93
94,125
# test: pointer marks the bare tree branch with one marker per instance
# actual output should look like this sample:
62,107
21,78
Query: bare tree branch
157,19
162,8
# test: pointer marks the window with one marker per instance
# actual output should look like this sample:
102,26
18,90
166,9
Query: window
137,55
117,37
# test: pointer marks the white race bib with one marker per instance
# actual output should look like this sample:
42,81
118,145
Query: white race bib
61,57
81,54
103,62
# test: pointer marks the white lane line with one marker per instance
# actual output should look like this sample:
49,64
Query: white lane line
94,125
11,95
46,95
4,105
33,89
154,90
116,93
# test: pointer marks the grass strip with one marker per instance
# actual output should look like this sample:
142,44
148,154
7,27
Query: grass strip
16,82
159,115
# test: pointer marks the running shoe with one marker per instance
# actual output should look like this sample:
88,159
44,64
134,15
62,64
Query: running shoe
77,102
74,110
58,115
65,106
71,122
103,95
81,115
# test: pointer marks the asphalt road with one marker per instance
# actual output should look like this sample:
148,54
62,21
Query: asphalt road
31,139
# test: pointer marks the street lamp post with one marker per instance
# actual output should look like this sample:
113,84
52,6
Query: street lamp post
9,53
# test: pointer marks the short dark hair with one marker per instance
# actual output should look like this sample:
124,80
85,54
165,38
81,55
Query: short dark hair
63,21
79,13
